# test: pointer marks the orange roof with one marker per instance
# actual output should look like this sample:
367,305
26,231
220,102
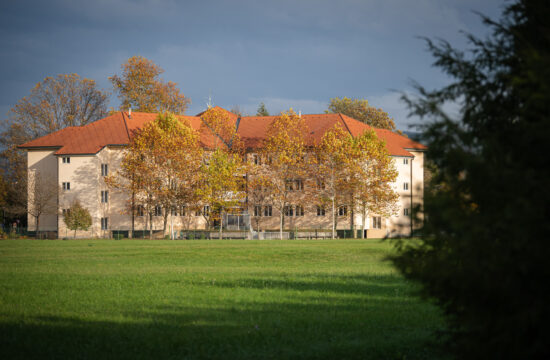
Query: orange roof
119,127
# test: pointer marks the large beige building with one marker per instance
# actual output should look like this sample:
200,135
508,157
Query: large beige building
74,161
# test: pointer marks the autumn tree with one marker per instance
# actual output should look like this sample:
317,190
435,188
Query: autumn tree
360,109
42,196
77,218
334,166
259,189
219,125
284,149
160,166
140,88
262,110
53,104
373,176
222,185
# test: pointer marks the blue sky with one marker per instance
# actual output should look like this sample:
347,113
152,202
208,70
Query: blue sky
295,54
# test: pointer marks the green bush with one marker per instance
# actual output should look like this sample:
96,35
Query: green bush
118,236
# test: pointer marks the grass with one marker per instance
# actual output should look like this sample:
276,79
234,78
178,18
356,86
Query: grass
133,299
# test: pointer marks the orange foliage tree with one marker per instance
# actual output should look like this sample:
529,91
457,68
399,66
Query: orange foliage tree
140,88
160,167
360,109
374,174
284,149
334,166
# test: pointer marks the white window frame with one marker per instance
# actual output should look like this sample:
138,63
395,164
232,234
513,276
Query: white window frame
405,186
268,210
406,161
104,223
104,196
104,170
66,159
66,186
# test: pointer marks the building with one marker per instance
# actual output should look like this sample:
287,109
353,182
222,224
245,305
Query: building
75,161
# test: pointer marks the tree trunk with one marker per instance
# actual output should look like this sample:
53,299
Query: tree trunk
221,216
165,222
281,224
74,236
133,212
150,226
37,225
333,219
363,219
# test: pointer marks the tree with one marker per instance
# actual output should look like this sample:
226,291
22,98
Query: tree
221,186
484,252
160,166
359,109
334,167
77,218
262,110
259,190
140,88
284,149
53,104
42,196
374,174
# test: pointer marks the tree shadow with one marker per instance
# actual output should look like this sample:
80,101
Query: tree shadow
359,320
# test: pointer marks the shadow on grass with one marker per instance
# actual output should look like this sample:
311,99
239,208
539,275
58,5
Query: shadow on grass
356,321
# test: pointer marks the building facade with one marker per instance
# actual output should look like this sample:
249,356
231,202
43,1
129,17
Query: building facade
75,161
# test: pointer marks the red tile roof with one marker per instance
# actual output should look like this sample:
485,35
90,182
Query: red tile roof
119,127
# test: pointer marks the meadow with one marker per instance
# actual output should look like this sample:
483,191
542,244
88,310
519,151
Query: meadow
231,299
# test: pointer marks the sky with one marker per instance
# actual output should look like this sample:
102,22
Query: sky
297,53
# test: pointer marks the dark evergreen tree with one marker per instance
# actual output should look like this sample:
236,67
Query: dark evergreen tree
485,250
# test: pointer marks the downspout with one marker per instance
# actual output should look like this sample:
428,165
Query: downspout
411,188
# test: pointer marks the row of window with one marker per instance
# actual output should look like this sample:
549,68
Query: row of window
257,160
104,167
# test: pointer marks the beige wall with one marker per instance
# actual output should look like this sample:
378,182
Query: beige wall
84,174
42,164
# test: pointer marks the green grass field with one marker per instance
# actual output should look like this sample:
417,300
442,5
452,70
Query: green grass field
134,299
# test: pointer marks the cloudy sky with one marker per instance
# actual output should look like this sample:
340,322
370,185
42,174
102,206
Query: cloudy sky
296,53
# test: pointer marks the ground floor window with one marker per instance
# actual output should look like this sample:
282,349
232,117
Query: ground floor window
377,222
299,210
104,223
158,210
268,210
257,210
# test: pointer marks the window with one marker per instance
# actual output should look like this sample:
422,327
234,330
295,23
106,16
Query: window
174,211
342,210
405,161
406,186
66,186
268,210
104,196
257,210
183,210
104,223
299,210
320,211
295,184
406,212
206,210
158,210
289,184
288,211
140,210
104,170
257,159
66,212
320,184
66,160
377,222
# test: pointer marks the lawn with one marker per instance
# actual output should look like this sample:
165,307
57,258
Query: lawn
317,299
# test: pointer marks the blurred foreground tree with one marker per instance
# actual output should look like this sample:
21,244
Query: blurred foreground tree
140,88
484,252
53,104
359,109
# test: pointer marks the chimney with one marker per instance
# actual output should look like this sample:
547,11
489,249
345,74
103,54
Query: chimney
299,113
129,112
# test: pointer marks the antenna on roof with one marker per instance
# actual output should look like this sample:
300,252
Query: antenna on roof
129,111
209,103
299,113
